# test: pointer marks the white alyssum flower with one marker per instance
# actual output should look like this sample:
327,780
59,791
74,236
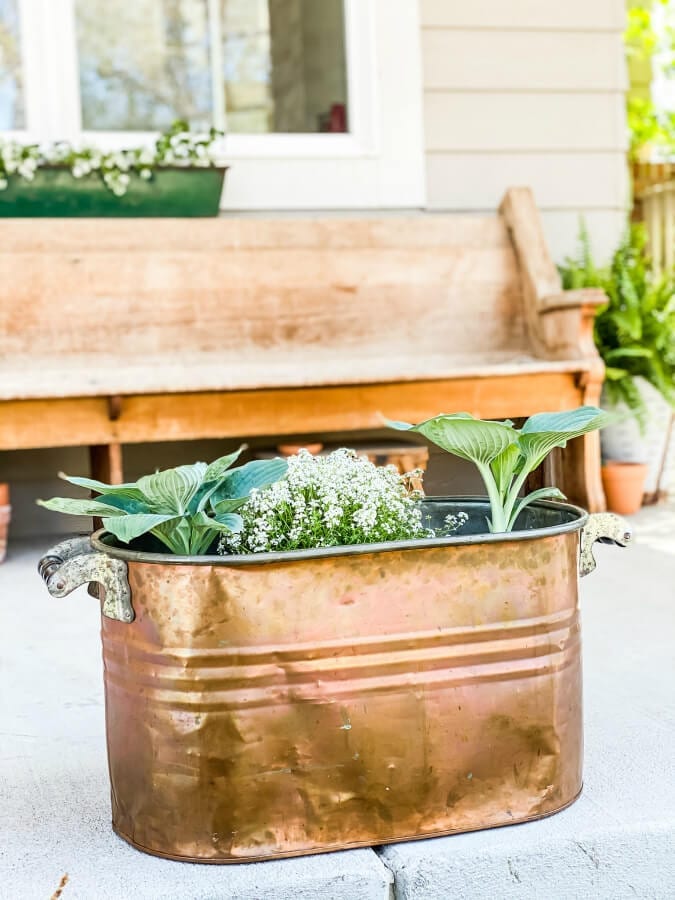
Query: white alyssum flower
178,146
326,501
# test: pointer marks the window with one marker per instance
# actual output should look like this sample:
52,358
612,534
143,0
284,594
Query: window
320,99
11,87
253,66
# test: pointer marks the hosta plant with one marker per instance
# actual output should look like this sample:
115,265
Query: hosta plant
186,508
505,455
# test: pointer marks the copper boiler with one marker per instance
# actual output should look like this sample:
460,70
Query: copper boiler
279,704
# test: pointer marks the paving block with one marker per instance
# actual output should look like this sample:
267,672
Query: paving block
618,840
54,792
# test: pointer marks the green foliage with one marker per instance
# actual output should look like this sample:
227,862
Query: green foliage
649,128
635,331
185,508
505,455
176,147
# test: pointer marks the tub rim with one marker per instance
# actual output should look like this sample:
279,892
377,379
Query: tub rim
579,520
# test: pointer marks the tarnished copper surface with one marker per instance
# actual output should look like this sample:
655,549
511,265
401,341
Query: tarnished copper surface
259,711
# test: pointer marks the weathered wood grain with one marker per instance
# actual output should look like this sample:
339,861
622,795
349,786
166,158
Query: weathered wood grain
117,332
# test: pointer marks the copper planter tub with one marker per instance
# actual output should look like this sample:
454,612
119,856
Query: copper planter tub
273,705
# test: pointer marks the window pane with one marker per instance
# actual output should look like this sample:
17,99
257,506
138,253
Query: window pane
143,64
281,65
284,65
11,88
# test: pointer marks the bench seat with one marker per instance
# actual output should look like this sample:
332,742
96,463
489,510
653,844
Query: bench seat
96,375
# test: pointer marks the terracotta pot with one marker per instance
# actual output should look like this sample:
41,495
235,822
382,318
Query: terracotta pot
624,486
293,449
5,515
626,442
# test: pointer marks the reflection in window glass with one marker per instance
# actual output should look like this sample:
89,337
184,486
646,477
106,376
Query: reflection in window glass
11,87
284,65
143,64
279,66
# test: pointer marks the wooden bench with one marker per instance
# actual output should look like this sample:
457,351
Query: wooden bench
121,331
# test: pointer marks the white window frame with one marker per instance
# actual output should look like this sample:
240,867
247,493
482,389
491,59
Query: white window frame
379,163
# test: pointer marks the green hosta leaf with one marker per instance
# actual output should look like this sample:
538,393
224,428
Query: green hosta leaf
544,431
227,522
129,489
80,507
564,422
214,476
177,534
228,505
256,474
203,529
230,520
91,484
217,469
173,489
124,502
127,527
546,493
505,466
460,434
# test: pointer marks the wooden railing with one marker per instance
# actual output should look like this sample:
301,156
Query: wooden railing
654,204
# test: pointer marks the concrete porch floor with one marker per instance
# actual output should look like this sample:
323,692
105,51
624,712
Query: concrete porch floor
617,841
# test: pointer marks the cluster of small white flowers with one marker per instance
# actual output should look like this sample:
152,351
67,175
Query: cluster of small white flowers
454,522
326,501
16,159
178,147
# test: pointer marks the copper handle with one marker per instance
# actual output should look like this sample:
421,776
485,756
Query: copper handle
74,562
607,528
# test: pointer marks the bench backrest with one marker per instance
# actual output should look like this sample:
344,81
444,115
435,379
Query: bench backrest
331,298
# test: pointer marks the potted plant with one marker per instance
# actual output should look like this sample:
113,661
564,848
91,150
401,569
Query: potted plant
5,516
332,660
635,335
178,176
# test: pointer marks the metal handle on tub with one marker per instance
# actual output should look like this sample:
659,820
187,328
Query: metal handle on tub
607,528
75,562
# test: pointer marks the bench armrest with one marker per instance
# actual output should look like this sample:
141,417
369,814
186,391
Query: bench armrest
559,323
570,300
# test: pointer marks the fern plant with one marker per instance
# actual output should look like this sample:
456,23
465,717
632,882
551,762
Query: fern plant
635,330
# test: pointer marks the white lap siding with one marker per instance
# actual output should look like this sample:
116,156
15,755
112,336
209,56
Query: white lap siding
528,92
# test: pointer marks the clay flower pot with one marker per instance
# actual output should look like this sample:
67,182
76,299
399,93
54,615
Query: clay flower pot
5,515
624,484
293,449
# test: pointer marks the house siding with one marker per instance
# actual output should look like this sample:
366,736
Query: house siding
528,92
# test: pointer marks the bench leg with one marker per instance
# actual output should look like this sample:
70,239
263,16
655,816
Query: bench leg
580,473
105,462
